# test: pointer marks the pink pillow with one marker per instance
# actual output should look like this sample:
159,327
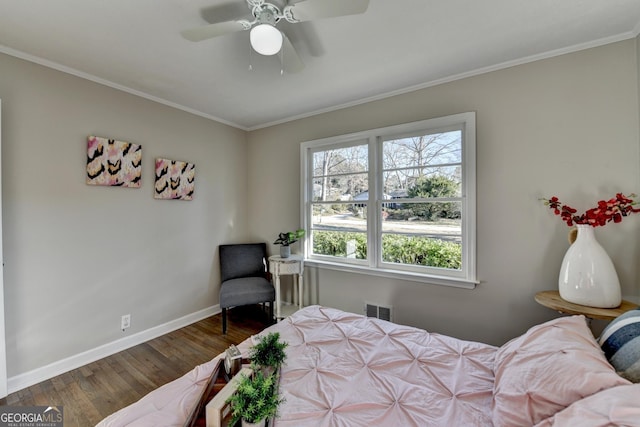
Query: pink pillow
547,369
617,406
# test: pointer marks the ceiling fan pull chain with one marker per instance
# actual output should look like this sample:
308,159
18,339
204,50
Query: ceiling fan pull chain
250,58
282,62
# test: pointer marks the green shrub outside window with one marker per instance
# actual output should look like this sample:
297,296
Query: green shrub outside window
399,249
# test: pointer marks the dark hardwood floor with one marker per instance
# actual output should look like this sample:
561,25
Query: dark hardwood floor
91,392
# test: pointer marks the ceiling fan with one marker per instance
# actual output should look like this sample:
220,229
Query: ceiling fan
265,37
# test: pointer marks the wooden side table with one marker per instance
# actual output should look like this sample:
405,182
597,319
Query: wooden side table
293,265
552,300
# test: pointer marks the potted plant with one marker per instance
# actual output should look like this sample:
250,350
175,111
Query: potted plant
268,352
256,399
287,238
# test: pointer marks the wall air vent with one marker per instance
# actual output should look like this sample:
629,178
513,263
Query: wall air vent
378,311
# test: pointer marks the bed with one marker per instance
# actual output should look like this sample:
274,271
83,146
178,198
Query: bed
344,369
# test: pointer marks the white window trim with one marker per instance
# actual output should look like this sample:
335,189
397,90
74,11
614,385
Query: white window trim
466,278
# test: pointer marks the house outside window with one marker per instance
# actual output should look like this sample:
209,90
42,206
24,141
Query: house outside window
396,201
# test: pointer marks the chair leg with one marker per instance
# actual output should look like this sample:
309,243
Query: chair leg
224,321
271,312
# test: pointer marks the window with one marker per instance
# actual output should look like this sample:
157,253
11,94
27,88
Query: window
396,201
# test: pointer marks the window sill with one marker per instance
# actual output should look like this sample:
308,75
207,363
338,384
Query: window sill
393,274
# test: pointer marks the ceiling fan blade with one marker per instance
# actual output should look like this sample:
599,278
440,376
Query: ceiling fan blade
307,10
214,30
291,62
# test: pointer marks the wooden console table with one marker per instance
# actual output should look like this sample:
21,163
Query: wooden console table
552,300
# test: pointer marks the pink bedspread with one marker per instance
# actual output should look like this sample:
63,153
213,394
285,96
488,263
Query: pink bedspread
348,370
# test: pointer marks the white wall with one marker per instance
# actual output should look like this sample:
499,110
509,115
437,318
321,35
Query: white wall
565,126
77,257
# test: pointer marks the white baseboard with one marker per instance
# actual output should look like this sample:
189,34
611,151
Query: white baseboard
35,376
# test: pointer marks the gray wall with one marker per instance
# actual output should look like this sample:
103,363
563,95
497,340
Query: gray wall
565,126
77,257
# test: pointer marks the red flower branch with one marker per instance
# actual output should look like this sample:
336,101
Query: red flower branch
612,210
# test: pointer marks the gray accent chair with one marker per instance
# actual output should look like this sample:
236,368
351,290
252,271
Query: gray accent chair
244,276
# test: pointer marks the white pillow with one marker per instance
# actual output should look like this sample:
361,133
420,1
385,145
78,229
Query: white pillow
547,369
617,406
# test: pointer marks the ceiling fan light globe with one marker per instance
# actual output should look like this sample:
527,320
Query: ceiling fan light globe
266,39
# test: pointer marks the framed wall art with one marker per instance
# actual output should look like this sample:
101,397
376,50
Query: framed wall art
113,163
174,180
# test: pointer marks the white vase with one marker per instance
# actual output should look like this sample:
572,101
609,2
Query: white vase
285,251
587,276
260,423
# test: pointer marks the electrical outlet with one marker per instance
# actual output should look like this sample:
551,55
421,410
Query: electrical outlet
125,322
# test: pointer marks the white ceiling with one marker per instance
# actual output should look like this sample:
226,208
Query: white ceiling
395,46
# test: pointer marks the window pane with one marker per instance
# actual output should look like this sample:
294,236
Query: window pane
423,150
340,230
339,217
421,251
340,244
435,219
340,161
426,234
440,181
340,187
